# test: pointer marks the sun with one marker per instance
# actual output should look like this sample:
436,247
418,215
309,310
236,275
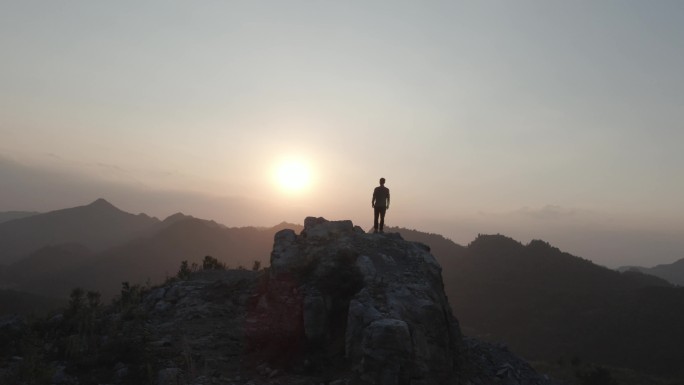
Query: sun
293,176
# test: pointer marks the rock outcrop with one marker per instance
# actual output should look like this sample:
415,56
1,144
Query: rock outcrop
372,301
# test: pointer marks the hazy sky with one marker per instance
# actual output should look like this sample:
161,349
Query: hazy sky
559,120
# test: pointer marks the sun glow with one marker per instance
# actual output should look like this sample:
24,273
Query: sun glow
293,176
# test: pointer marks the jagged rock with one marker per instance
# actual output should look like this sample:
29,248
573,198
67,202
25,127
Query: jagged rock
169,376
315,316
284,250
61,378
387,352
162,306
154,296
120,372
321,228
495,364
376,300
12,323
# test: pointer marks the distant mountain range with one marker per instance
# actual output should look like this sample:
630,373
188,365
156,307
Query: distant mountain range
12,215
96,226
672,272
16,302
98,246
550,305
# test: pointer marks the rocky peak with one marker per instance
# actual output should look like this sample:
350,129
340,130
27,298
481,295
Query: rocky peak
373,301
495,244
177,217
102,203
372,305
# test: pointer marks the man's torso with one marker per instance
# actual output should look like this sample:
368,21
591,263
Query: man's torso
380,195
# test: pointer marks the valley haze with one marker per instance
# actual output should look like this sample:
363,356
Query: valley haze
607,239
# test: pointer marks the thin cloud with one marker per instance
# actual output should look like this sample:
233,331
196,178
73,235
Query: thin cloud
548,212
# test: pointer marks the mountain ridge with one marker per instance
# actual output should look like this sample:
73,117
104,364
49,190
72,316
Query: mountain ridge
98,225
672,272
548,304
18,302
152,257
6,216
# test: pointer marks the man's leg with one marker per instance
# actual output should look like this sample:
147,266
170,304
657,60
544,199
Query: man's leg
376,213
382,218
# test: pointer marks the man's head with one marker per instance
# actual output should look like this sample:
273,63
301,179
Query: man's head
382,181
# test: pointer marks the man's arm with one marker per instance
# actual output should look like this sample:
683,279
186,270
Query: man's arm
388,200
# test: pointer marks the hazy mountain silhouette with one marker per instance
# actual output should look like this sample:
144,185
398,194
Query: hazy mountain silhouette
43,270
439,245
171,219
160,255
12,301
97,226
672,272
7,216
152,257
51,259
548,304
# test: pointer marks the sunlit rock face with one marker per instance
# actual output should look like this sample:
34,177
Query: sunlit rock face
372,303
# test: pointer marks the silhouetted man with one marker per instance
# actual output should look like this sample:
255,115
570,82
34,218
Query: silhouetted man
380,202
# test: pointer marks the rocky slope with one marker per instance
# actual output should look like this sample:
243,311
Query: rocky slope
338,306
